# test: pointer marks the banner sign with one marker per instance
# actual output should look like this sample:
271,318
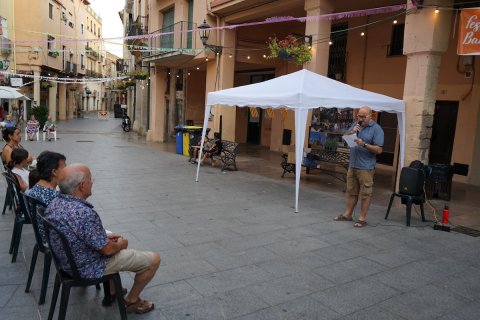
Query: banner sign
469,32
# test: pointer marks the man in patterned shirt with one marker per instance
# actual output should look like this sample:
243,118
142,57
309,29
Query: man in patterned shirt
96,253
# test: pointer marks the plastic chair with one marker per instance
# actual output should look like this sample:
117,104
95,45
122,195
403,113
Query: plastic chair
409,199
51,132
21,214
75,280
32,204
37,134
8,197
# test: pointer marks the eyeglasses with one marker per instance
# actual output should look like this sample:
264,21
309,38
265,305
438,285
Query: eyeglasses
363,117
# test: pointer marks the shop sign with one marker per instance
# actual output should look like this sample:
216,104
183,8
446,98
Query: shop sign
469,32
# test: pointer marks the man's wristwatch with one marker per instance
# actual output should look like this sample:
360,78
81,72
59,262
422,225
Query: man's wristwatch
365,145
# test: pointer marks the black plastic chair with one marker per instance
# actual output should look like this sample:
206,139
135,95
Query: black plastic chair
75,280
410,199
21,214
40,246
8,192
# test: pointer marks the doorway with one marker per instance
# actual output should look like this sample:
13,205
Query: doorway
254,126
443,132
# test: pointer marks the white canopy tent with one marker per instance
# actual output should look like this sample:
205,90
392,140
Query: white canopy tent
301,91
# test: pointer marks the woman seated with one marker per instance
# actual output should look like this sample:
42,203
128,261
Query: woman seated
17,164
32,127
49,126
214,150
13,136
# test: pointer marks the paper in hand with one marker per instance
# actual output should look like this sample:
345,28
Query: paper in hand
349,139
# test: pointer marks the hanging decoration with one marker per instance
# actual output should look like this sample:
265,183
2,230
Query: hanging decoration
270,113
253,112
62,80
271,20
289,48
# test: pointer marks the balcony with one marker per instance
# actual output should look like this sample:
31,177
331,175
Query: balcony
70,68
89,52
173,49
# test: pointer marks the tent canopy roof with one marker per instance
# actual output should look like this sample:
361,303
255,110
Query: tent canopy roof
303,90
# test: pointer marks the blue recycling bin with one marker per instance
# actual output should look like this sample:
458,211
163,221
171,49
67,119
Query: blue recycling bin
179,139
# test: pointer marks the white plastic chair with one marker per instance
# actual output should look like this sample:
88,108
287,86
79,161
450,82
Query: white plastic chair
51,132
37,134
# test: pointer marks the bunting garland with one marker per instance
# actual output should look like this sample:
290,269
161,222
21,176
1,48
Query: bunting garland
253,112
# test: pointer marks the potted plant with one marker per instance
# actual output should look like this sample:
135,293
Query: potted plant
40,113
120,85
139,74
53,53
46,84
289,48
130,83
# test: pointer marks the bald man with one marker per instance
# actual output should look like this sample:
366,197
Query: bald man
363,158
96,253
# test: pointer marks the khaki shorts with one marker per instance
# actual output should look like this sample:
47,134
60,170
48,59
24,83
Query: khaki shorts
129,260
360,182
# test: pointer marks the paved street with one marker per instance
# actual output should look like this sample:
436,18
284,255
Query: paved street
232,248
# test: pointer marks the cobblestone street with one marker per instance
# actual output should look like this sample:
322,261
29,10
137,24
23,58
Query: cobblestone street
232,247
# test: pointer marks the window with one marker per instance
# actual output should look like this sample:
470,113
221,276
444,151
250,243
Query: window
99,32
396,46
81,28
166,41
50,45
94,29
82,64
50,11
338,51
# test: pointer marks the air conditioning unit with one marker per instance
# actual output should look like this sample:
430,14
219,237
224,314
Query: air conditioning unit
35,49
71,52
64,17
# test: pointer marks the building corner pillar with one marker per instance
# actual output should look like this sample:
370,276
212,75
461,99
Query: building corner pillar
62,101
426,40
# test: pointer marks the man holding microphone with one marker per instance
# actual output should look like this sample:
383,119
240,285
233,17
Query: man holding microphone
361,169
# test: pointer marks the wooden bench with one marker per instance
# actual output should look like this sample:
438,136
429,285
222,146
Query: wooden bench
228,155
338,157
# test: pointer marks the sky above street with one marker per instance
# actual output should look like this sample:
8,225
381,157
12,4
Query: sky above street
111,23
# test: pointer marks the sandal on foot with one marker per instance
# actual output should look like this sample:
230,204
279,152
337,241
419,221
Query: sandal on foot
108,300
140,306
342,218
360,224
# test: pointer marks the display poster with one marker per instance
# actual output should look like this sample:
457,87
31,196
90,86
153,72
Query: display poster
469,32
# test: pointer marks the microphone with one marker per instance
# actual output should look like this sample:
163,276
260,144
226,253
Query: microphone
360,124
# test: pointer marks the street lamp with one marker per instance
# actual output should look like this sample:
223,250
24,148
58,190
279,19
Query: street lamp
205,34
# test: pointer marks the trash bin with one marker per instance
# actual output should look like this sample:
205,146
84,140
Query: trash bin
439,182
189,131
179,139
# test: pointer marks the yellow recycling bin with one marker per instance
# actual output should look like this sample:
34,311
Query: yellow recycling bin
189,132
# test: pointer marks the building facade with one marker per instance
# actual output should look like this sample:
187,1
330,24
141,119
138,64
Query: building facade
62,41
408,53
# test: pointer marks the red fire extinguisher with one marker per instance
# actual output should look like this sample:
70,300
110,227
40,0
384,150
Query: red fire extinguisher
445,215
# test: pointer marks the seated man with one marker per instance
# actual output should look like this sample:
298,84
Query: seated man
214,150
49,127
96,253
196,149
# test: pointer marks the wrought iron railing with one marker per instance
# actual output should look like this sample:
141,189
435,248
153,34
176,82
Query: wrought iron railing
177,39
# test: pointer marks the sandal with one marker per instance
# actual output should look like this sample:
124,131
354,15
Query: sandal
139,307
108,300
360,224
341,217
